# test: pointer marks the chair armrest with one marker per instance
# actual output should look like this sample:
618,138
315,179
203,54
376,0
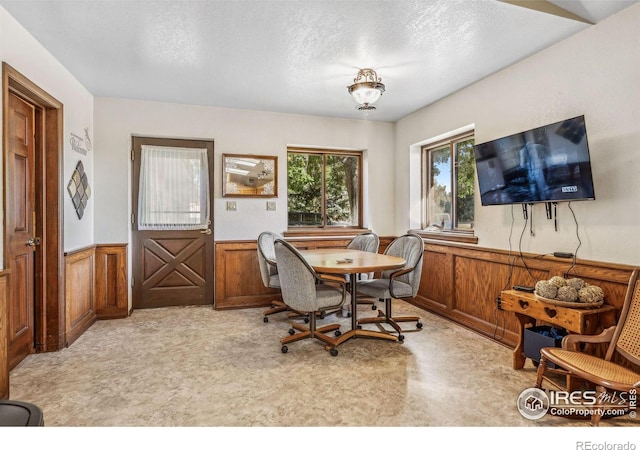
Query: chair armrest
397,273
571,341
334,278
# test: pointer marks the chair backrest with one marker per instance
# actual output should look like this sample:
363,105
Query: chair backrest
626,338
410,247
267,256
297,278
367,242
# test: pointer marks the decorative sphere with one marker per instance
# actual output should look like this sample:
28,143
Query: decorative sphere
545,289
590,294
567,294
576,283
557,281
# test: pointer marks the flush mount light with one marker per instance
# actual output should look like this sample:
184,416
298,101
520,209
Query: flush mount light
366,89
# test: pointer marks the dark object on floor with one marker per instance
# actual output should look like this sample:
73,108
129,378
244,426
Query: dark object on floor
20,414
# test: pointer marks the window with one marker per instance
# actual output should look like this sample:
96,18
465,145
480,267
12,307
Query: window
174,188
324,188
449,171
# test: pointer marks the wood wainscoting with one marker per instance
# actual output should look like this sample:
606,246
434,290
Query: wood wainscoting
460,282
238,282
4,343
95,287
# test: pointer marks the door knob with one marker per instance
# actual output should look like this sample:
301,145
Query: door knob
33,241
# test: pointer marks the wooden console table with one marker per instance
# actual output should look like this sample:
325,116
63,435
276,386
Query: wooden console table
528,309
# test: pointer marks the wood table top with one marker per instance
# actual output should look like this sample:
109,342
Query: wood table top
325,260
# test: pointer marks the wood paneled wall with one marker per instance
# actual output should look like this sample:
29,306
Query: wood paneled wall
4,334
95,287
111,290
238,282
460,282
78,287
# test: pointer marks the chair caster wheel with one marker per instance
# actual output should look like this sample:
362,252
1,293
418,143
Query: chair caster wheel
359,327
265,320
348,314
337,333
333,352
374,307
284,349
419,325
306,320
323,315
401,337
292,331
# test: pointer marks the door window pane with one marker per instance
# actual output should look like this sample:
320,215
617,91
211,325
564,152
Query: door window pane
174,189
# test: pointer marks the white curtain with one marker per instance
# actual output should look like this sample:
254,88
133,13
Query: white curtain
174,189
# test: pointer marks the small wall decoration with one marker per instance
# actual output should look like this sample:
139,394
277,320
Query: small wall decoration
81,144
249,176
79,189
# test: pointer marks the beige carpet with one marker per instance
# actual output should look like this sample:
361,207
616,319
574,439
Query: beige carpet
197,367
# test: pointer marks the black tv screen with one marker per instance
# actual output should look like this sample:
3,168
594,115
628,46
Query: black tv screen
545,164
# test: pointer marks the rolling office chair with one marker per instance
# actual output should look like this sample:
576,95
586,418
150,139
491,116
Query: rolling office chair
304,290
269,270
396,284
367,242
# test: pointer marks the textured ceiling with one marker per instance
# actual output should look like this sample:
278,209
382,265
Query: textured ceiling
293,56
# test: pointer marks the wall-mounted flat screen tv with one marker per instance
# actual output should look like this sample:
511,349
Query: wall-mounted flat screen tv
545,164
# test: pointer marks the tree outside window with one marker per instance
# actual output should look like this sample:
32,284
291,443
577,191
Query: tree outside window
449,168
323,188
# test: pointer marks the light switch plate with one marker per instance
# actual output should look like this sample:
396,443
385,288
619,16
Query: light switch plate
271,206
232,206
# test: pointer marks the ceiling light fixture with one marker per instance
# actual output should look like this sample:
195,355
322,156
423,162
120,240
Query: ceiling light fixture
366,89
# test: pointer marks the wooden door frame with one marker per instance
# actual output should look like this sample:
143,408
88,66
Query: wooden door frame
49,310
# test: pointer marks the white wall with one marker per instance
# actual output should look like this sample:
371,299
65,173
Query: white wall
233,131
20,50
595,73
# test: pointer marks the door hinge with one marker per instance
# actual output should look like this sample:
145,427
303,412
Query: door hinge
133,218
132,155
133,281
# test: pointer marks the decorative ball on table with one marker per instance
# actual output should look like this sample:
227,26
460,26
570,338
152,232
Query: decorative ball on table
545,289
557,281
567,294
576,283
590,294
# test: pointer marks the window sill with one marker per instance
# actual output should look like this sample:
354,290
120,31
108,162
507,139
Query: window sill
324,232
449,236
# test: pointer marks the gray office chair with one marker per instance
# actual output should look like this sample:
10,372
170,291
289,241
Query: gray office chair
306,291
269,271
367,242
398,283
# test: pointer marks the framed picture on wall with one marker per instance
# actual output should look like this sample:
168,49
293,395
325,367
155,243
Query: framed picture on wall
249,175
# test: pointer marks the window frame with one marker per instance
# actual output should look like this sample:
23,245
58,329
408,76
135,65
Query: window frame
324,152
426,177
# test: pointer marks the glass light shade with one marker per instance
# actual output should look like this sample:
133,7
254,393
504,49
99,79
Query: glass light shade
366,94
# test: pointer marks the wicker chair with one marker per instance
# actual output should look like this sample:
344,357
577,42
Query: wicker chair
307,291
623,339
396,284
